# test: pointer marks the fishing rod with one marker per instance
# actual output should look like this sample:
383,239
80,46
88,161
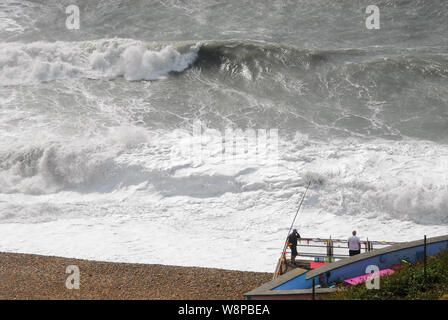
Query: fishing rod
292,224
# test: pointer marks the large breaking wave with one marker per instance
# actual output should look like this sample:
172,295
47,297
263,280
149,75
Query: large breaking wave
134,60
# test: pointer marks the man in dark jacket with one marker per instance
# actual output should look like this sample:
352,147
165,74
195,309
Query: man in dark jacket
292,243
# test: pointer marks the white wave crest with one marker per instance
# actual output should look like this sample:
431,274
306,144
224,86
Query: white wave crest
133,60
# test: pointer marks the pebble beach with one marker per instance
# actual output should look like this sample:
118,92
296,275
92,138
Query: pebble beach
26,276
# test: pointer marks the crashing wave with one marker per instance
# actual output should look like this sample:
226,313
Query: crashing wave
135,60
132,60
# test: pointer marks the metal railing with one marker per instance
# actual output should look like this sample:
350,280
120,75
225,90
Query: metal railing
327,250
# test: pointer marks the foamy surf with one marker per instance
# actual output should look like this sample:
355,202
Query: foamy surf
89,166
103,59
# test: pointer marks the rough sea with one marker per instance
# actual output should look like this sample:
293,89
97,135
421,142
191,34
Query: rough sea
92,119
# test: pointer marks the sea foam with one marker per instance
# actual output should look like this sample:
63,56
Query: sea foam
43,61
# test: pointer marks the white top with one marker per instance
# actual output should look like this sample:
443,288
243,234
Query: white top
354,243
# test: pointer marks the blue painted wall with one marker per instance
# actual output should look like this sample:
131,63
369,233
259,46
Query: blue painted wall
358,268
299,282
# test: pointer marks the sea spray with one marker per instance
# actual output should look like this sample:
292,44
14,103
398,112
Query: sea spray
100,59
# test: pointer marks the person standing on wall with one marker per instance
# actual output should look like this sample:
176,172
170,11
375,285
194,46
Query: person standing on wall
292,243
354,245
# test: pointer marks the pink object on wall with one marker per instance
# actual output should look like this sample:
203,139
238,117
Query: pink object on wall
315,265
362,279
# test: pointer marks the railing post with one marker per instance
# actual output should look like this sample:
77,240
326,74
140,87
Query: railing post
314,289
424,261
329,250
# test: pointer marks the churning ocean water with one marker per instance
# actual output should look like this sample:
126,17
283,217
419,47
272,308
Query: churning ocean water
90,117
